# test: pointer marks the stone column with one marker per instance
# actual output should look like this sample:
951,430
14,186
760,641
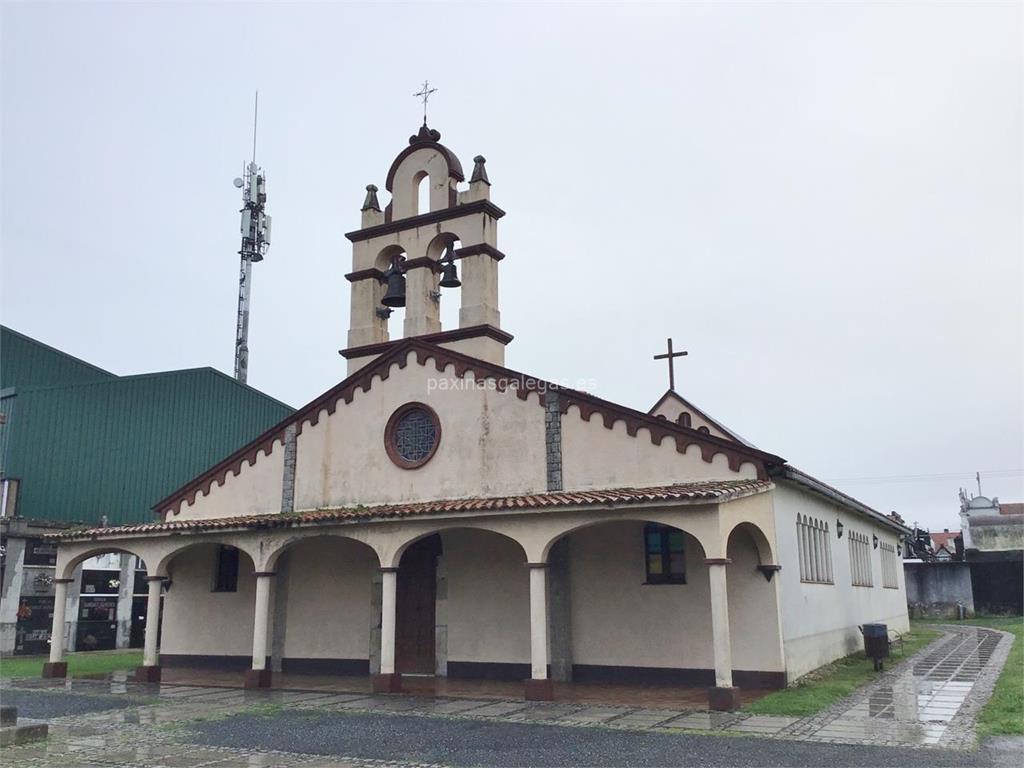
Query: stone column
389,680
56,666
279,624
125,594
149,672
539,687
259,676
14,579
560,611
724,696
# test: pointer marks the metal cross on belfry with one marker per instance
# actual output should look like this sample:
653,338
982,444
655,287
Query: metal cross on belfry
670,356
424,94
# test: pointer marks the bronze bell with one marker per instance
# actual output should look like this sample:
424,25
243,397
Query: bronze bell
395,294
450,276
449,271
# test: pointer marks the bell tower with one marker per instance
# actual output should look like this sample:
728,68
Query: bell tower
402,256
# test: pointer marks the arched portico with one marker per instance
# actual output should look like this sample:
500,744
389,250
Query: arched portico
68,560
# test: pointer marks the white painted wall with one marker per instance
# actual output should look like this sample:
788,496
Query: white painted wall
199,621
328,604
618,620
255,490
596,457
671,409
492,443
488,604
753,609
820,620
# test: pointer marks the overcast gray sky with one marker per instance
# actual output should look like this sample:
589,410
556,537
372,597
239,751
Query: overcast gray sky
821,202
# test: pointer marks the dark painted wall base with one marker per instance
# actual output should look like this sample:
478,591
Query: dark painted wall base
202,661
488,670
55,669
341,667
495,670
594,673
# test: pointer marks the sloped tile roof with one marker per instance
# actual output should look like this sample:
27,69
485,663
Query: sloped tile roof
944,539
711,491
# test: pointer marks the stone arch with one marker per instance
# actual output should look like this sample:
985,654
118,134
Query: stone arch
765,553
754,613
395,558
68,569
383,259
168,556
669,519
270,560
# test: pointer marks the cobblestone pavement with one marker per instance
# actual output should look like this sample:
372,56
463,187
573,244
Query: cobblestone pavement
931,699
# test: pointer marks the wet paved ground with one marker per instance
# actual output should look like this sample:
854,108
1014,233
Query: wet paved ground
930,700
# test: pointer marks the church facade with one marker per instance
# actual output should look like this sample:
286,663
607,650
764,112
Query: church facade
436,513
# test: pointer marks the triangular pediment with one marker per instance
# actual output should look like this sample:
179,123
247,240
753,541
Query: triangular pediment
496,432
676,408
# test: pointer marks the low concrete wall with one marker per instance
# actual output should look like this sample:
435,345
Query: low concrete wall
936,590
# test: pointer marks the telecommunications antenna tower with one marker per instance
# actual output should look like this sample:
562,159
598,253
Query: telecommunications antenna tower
255,244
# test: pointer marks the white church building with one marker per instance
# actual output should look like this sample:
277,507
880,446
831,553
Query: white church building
438,514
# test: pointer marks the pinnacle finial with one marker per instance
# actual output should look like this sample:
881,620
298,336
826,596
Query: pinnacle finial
479,172
370,203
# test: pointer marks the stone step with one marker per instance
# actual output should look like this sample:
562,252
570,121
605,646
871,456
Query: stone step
8,715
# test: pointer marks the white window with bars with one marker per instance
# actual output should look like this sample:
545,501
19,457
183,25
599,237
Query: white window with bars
815,550
860,559
890,566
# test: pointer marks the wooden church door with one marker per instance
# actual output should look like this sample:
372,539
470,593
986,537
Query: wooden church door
416,603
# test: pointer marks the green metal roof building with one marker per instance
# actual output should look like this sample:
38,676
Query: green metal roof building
84,444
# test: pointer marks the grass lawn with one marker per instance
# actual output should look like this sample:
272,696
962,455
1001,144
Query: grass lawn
1003,715
79,664
823,687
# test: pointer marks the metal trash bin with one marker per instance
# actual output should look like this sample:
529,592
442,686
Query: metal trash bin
876,643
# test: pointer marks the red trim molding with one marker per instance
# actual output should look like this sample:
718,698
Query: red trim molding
473,332
485,207
392,425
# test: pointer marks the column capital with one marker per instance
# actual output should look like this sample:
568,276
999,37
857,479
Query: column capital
388,569
156,578
264,574
536,565
717,560
62,581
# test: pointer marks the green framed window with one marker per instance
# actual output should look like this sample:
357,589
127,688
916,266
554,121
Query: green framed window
664,554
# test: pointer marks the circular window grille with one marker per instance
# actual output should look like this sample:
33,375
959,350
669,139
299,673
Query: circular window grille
412,435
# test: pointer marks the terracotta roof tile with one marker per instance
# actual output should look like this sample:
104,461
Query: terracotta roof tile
944,539
713,490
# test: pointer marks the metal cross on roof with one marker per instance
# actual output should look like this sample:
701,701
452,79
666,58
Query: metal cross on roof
424,94
670,356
